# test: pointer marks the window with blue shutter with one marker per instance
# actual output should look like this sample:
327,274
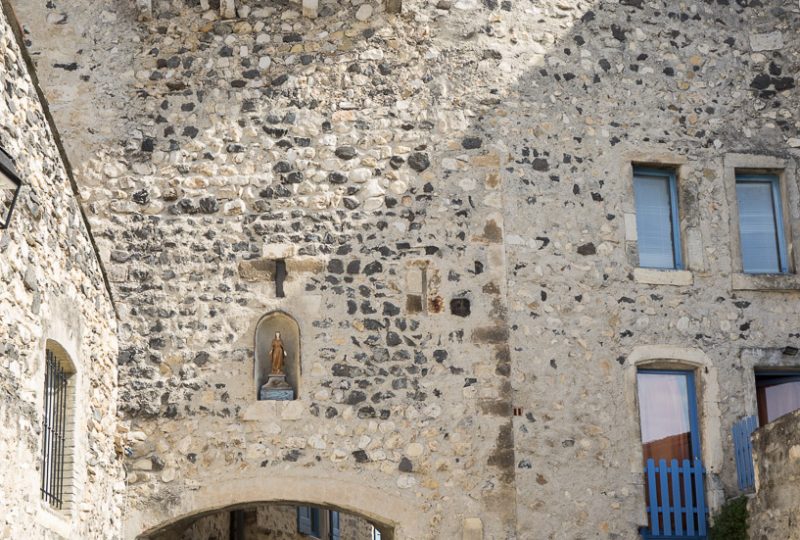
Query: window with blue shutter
657,221
308,521
334,521
761,234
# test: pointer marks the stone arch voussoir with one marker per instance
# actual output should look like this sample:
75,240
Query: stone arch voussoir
401,517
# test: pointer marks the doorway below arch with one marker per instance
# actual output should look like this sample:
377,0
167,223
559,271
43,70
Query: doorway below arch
272,521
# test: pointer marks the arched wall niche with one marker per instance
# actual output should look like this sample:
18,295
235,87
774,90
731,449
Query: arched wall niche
268,325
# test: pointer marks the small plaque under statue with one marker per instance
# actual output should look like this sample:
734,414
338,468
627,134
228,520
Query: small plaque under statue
276,387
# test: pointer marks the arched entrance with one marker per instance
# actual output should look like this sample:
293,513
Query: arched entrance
396,517
274,521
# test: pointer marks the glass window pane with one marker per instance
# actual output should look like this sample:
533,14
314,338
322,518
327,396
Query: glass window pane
654,221
757,227
664,415
779,399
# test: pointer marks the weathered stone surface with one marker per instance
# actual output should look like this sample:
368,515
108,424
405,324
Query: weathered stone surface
53,297
480,144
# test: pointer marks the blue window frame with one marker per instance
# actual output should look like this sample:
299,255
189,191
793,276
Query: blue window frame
761,233
657,219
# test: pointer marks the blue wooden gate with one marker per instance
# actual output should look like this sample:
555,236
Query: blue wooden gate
743,449
676,496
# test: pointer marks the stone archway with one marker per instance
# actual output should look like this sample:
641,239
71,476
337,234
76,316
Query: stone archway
397,517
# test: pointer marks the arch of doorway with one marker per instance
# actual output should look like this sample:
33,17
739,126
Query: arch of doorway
401,518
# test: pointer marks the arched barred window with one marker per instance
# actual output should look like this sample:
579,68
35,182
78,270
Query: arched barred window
57,426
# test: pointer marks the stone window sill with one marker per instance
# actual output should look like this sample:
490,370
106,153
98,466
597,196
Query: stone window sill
652,276
765,282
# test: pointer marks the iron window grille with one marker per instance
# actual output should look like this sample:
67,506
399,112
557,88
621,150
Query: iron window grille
54,431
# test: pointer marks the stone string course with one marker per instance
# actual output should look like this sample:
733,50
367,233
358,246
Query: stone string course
459,151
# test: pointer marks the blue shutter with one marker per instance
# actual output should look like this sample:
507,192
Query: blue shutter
743,450
761,225
316,528
334,525
304,520
657,225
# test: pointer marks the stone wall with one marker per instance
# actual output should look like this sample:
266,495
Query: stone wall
776,456
51,293
451,191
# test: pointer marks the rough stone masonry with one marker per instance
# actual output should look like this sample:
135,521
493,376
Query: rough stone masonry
449,188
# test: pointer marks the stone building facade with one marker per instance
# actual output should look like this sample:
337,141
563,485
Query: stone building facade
449,191
53,298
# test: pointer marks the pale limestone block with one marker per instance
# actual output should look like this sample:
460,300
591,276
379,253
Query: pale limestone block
630,227
769,41
472,529
260,411
227,9
292,410
310,8
663,277
278,251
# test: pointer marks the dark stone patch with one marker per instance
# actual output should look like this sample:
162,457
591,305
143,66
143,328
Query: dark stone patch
361,456
346,152
470,143
405,465
355,397
373,268
503,454
540,164
419,161
335,266
282,167
495,407
293,455
492,231
141,197
208,205
460,307
390,310
336,178
393,339
490,334
201,358
587,249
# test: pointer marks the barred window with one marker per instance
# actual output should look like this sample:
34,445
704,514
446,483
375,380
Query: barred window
57,427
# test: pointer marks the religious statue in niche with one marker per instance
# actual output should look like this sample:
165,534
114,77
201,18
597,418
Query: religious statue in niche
276,387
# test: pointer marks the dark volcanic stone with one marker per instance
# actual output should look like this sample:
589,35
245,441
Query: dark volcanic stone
282,167
470,143
373,268
355,397
587,249
141,197
335,266
336,178
346,152
419,161
208,205
540,164
405,465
